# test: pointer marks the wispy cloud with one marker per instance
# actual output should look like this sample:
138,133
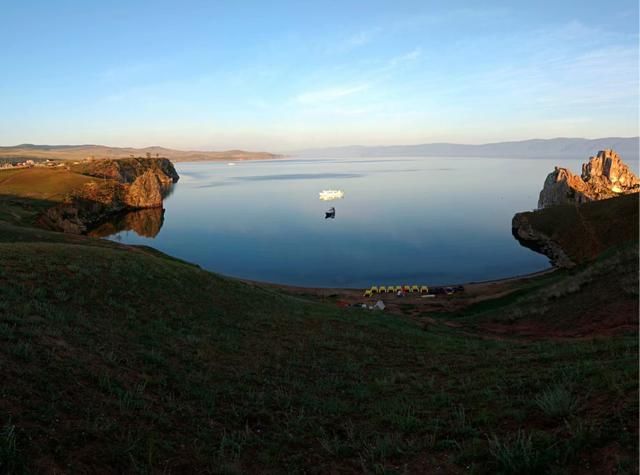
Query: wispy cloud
329,94
407,57
365,91
360,38
352,41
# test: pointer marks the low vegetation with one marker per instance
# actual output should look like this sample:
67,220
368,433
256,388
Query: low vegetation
585,231
26,192
40,183
121,359
595,299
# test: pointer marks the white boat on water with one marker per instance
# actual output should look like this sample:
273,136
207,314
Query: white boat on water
328,195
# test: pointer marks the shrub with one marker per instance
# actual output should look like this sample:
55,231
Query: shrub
517,455
556,401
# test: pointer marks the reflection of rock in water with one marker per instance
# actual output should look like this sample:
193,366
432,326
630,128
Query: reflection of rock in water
145,222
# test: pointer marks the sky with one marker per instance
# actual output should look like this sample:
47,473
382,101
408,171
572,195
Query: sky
287,75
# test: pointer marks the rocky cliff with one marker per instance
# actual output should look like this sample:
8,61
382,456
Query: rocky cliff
120,185
127,170
604,176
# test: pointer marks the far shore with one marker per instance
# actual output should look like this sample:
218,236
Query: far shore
229,159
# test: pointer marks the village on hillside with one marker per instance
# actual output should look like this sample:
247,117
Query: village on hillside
13,163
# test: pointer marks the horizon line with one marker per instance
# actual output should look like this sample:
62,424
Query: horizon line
535,139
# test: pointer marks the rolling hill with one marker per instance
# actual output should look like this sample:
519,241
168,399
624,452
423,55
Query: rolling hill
79,152
119,359
535,148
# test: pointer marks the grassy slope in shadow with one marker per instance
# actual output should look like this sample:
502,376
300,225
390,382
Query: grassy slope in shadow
119,360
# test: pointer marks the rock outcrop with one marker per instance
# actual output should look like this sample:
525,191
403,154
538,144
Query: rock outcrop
123,185
127,170
607,173
146,191
604,176
558,229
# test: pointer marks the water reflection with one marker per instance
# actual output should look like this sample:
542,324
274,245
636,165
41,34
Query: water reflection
331,214
426,220
145,223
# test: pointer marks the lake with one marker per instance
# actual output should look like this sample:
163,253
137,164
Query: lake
402,220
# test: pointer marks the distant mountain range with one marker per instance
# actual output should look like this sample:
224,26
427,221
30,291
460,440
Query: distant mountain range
627,148
79,152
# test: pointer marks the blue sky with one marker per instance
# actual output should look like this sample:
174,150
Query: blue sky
285,75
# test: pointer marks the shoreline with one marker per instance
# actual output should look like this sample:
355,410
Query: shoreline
359,289
411,304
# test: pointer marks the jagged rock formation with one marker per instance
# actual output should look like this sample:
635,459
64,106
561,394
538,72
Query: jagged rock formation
604,176
125,185
607,172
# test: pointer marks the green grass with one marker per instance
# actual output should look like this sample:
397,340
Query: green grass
51,184
585,231
26,193
590,299
556,401
10,458
518,455
121,359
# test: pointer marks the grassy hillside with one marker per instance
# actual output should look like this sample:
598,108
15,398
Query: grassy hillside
585,231
26,192
80,152
595,299
51,184
120,359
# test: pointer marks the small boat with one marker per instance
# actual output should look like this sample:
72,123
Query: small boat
231,164
328,195
330,214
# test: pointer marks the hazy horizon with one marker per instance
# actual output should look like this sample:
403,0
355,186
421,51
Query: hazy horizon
347,146
287,76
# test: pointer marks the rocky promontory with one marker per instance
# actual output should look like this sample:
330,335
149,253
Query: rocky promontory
120,185
569,227
603,176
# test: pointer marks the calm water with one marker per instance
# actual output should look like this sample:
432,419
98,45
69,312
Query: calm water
402,220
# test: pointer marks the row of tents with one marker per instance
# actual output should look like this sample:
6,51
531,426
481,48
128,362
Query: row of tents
423,289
